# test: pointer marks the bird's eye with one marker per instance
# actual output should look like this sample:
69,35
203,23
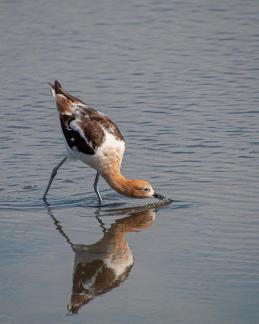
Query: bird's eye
146,189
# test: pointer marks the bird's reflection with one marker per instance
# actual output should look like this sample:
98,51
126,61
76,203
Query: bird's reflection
104,265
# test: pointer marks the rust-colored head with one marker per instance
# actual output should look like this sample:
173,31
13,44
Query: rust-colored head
139,189
131,188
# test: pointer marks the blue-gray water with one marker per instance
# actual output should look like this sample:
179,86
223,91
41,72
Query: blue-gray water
181,80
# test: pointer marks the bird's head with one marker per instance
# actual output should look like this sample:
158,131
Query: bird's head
143,189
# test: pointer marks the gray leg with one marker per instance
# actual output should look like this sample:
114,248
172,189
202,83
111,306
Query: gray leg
96,188
53,174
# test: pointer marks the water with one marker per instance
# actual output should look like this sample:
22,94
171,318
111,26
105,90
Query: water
181,80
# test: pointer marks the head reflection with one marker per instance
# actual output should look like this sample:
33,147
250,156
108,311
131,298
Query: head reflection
104,265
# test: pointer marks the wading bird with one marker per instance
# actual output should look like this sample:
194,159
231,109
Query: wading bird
94,139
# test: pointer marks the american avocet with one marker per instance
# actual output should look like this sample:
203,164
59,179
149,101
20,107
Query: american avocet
94,139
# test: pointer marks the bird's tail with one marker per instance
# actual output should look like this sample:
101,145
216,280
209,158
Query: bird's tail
64,100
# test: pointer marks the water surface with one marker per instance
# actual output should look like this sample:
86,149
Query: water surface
181,80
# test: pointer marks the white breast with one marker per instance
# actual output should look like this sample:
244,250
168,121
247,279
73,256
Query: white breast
110,151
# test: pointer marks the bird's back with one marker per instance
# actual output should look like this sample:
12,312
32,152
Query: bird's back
89,134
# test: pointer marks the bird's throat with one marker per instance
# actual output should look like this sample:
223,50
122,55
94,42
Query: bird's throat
119,183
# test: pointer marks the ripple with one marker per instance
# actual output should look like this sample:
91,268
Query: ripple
181,81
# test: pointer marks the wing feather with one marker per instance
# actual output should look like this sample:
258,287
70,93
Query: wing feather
84,128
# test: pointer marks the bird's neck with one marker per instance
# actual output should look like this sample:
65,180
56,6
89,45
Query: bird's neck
119,183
